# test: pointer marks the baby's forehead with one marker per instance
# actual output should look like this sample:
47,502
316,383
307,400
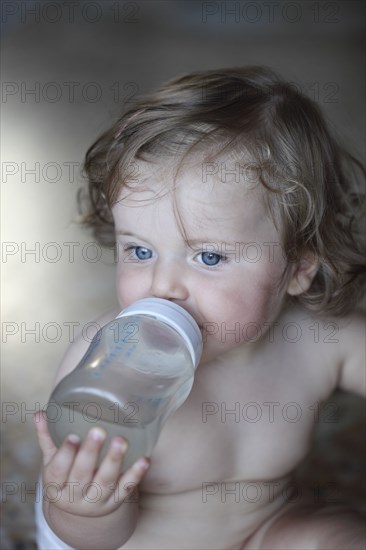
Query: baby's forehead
195,192
228,173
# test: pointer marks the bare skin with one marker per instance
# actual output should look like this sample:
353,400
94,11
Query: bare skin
220,474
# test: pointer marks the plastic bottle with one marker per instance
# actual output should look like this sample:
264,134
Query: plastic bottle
137,371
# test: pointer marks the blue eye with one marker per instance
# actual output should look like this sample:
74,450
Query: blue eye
141,252
210,258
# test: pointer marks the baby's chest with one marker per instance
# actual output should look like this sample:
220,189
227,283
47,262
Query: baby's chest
242,432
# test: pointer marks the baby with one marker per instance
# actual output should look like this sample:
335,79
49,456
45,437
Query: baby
225,193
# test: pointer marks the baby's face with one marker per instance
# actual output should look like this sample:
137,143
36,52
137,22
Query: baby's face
226,276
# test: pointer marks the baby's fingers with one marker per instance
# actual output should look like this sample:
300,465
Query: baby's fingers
109,471
57,462
87,458
58,468
108,477
44,439
131,478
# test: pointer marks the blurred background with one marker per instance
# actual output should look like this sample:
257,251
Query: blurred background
68,69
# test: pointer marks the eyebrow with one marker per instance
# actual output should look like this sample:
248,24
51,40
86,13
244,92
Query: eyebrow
203,240
188,241
128,234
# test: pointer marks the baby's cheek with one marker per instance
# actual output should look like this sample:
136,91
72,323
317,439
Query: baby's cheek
128,288
121,295
247,314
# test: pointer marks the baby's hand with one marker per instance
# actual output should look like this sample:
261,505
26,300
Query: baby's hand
72,481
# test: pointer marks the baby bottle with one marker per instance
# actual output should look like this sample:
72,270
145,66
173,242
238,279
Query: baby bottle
138,370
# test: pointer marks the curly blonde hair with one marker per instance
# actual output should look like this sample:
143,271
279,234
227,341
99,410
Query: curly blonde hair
312,182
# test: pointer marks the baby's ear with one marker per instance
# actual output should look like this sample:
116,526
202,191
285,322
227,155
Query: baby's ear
303,274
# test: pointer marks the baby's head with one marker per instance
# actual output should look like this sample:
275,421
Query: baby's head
244,133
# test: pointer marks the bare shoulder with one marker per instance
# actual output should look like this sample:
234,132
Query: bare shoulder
338,344
352,340
311,333
79,346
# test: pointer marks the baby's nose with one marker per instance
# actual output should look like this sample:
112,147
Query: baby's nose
168,281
